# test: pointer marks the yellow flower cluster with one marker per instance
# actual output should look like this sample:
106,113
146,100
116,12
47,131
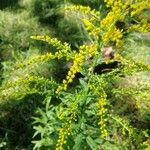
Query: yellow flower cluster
81,8
39,58
90,15
139,6
68,114
143,26
108,20
91,28
109,3
63,48
119,3
62,140
102,111
85,9
121,6
19,86
96,85
146,144
34,60
113,34
79,59
118,12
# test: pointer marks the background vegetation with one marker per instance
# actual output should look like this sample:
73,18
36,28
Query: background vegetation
30,109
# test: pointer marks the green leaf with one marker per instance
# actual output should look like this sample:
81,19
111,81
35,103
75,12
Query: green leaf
83,83
92,143
2,144
48,101
99,140
78,142
40,130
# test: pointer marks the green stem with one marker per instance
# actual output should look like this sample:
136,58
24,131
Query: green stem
8,130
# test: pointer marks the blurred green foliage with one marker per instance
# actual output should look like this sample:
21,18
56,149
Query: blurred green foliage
8,3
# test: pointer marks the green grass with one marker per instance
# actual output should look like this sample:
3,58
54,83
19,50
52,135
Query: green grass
137,48
16,29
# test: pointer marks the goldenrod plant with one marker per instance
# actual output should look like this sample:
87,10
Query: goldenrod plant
91,96
88,108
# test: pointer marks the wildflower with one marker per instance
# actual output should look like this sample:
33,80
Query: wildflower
84,9
62,136
62,48
146,144
102,112
93,30
143,26
77,64
138,7
114,35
